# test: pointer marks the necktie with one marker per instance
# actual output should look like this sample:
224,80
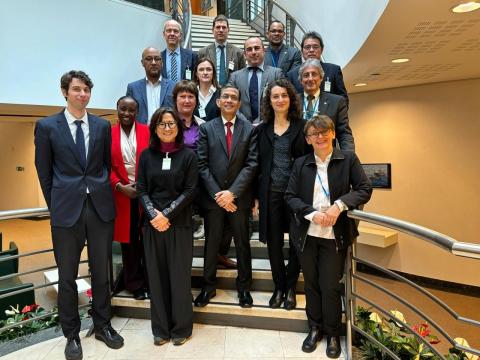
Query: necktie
253,92
229,124
310,106
173,67
222,74
80,143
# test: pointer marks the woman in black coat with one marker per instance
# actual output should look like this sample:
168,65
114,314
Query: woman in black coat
280,142
205,77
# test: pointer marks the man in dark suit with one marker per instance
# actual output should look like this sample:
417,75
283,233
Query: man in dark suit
277,54
252,80
153,91
225,56
227,162
316,101
179,62
72,157
312,48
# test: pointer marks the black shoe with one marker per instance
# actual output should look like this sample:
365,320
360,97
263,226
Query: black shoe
109,336
73,349
179,341
276,299
333,347
140,294
245,299
204,298
159,341
310,343
290,302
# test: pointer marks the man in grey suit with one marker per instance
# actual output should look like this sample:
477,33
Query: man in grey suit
252,80
154,90
225,56
227,162
277,54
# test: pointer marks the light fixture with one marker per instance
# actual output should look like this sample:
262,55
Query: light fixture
400,60
360,84
466,7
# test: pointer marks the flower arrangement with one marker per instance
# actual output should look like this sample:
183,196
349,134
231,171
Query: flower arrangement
20,317
395,337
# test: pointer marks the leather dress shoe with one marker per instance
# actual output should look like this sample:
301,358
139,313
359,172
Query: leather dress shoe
310,343
290,301
245,299
333,347
140,294
204,298
224,262
109,336
157,340
276,299
73,349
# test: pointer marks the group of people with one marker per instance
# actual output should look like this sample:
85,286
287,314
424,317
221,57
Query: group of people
223,133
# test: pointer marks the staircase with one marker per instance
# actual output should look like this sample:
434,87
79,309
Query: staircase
202,32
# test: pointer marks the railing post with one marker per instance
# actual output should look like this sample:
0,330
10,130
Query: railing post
349,303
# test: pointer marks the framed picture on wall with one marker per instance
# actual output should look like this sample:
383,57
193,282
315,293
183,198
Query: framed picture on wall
379,174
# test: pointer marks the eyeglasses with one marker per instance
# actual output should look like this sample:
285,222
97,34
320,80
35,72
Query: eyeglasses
163,125
231,97
311,47
318,133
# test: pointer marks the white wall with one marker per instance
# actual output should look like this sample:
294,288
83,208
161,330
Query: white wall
343,24
40,40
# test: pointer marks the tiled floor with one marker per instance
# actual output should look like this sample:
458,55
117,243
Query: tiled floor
207,342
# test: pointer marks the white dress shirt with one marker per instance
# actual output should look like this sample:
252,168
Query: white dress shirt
128,145
73,128
153,97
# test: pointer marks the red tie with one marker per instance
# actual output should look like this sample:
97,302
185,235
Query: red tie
229,124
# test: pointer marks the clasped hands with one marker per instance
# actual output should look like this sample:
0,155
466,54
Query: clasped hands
225,199
328,217
160,222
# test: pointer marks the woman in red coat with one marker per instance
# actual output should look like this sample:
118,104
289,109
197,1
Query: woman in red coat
129,139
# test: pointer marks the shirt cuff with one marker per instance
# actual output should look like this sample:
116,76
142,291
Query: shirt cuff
341,205
310,216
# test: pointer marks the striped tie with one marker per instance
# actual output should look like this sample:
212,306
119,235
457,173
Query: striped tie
173,67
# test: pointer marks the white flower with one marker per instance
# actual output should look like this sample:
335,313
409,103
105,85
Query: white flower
375,318
399,316
463,342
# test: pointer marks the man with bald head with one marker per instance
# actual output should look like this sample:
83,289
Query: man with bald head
154,90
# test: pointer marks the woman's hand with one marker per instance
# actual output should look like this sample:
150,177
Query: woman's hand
128,190
328,217
160,222
255,208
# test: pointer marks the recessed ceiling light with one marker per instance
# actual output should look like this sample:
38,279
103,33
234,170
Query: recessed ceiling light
400,60
466,7
360,84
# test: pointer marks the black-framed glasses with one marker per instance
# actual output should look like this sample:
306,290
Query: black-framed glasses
164,125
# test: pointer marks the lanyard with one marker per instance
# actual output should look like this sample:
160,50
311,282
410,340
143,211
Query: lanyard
327,194
314,107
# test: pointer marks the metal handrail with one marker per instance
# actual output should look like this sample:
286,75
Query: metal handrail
23,213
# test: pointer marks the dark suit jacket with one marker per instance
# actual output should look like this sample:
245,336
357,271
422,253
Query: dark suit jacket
212,110
138,90
336,108
217,171
333,73
346,181
265,139
63,180
188,60
239,79
233,53
288,58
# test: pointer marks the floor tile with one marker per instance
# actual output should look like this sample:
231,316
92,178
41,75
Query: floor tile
205,343
34,352
118,323
244,343
138,345
138,324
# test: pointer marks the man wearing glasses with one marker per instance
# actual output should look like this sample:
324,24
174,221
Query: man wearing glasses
277,54
154,90
312,48
227,162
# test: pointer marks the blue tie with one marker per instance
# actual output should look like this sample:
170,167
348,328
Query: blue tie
253,92
173,67
80,143
222,74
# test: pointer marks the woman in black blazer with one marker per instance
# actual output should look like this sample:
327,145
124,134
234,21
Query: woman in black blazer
280,142
321,188
205,76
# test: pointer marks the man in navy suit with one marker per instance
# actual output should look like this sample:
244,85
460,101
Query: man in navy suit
312,48
277,54
72,157
153,91
179,62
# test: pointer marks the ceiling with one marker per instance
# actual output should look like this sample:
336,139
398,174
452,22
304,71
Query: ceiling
442,46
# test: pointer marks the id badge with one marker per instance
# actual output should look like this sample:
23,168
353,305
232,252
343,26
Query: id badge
202,113
328,86
231,65
188,74
166,163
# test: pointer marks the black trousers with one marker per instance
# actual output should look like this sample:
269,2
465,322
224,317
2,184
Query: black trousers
284,277
68,244
214,225
322,271
168,255
133,257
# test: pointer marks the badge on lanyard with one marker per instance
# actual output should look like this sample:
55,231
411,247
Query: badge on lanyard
201,112
231,65
328,86
188,74
166,163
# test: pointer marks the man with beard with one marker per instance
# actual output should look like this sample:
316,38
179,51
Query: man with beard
277,54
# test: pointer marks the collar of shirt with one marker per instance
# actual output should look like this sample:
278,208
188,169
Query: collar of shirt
316,95
232,121
176,51
319,161
217,44
70,118
157,83
260,67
